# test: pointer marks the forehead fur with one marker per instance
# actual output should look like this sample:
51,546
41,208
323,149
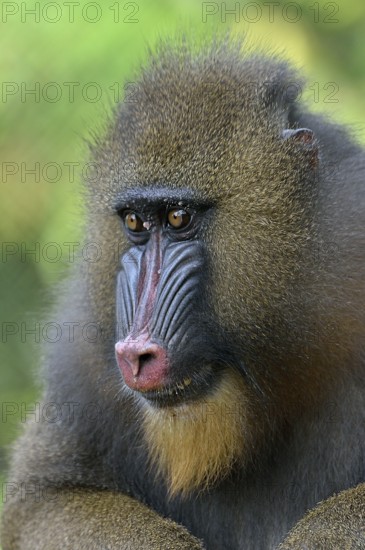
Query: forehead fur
196,113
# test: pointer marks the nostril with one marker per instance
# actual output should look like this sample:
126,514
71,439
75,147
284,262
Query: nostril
145,358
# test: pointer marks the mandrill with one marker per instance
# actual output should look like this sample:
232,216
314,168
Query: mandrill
229,381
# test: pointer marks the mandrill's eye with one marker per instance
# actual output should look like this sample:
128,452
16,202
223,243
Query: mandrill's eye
178,218
133,222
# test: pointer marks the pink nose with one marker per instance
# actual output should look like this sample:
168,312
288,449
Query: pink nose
143,363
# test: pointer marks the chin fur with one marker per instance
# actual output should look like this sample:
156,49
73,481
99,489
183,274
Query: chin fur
195,444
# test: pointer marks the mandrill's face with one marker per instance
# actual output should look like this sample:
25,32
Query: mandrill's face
161,291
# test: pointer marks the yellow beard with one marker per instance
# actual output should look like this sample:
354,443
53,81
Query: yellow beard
194,444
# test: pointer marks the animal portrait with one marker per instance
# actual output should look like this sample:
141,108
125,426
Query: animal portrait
222,404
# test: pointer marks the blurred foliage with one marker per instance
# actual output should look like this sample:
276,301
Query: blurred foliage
46,50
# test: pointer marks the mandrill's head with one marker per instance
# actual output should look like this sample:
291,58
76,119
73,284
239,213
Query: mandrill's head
206,188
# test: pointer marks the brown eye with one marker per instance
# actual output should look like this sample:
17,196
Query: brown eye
178,218
133,222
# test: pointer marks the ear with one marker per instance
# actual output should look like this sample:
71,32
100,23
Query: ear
305,139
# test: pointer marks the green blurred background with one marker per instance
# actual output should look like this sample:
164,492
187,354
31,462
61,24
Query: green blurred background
76,58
